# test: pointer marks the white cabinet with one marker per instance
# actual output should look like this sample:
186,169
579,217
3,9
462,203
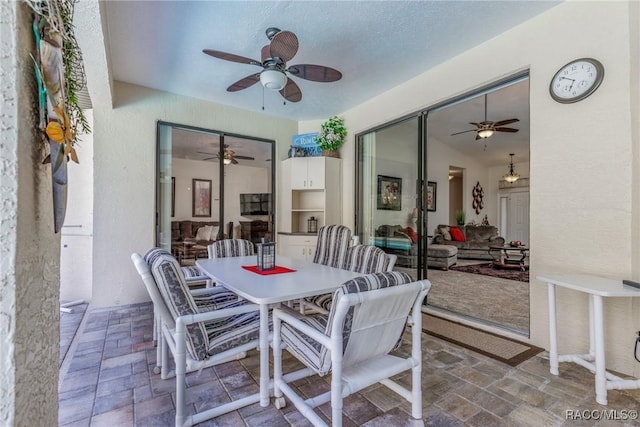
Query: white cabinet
295,246
311,187
307,173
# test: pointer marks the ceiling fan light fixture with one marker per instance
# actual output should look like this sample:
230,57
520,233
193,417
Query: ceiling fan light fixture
485,133
511,176
226,160
273,79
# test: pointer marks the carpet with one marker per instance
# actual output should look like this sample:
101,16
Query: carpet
505,350
486,269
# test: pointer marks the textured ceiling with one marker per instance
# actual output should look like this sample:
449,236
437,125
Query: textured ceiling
375,44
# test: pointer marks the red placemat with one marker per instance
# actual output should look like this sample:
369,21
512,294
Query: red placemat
276,270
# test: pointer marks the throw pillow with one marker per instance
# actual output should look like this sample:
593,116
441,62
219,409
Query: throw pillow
203,233
214,232
456,234
412,234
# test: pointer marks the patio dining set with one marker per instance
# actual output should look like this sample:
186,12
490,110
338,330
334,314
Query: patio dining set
343,313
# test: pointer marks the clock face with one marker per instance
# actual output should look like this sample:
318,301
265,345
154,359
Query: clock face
576,80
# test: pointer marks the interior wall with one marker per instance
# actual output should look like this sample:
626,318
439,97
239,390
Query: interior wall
30,259
238,179
562,198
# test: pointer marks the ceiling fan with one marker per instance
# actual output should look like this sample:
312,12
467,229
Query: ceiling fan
487,128
275,74
230,157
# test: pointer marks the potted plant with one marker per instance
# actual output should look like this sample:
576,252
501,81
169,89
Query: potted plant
332,135
461,216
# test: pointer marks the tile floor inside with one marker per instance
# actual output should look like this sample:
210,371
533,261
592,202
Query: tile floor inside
107,379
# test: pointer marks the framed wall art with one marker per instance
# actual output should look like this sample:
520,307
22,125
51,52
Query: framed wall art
389,193
430,199
201,190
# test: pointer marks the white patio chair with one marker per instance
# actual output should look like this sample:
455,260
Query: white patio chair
198,337
231,248
209,297
353,342
363,259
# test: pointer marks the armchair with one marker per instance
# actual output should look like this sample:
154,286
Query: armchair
354,342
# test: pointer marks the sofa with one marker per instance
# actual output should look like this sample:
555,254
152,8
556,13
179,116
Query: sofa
472,241
398,240
190,232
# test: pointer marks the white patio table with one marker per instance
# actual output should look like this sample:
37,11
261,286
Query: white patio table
597,288
308,279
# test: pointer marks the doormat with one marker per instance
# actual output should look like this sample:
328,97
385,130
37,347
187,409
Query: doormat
504,349
486,269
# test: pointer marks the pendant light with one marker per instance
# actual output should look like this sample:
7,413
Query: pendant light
511,176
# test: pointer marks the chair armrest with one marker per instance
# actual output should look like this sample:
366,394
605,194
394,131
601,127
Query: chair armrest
291,317
188,319
208,291
437,239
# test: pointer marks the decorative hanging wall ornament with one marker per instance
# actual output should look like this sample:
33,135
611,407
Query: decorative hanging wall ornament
478,194
60,76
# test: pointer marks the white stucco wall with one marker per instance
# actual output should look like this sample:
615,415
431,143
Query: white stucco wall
581,156
30,251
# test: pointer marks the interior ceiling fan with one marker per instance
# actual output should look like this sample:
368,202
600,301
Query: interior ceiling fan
275,74
230,157
487,128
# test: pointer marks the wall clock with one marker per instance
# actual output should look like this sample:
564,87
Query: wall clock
576,80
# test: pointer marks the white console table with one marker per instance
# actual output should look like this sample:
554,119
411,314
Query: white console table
597,288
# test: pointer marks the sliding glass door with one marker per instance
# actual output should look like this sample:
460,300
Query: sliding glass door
389,173
205,181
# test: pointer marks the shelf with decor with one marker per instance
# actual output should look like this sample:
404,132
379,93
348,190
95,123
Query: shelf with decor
311,187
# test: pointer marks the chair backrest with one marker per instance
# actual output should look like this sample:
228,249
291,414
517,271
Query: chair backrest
392,261
366,259
165,283
370,313
231,248
333,242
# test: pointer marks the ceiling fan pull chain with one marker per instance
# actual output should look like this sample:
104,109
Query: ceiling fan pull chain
262,98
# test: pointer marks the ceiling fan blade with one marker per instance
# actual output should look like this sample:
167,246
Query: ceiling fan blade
291,92
315,73
474,123
204,152
464,131
506,122
244,157
511,130
284,45
234,162
231,57
210,158
244,83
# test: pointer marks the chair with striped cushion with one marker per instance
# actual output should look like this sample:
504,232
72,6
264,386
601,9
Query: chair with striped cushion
332,245
231,248
198,336
363,259
354,342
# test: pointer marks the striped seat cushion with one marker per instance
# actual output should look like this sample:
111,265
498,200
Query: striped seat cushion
231,248
366,259
307,350
332,245
317,356
204,338
193,274
174,290
361,258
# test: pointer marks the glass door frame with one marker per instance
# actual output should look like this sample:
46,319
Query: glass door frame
221,135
